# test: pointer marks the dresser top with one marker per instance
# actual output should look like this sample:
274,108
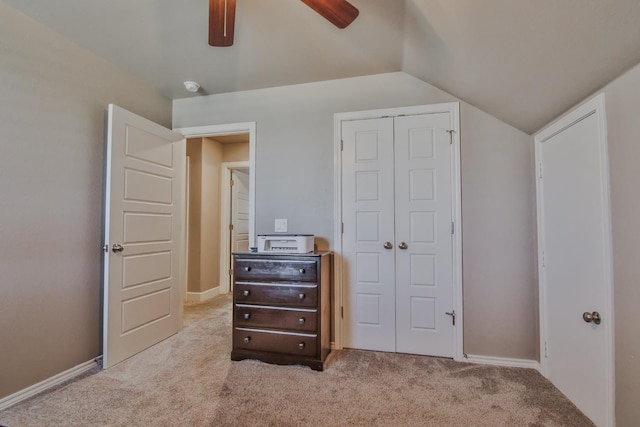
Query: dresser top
273,255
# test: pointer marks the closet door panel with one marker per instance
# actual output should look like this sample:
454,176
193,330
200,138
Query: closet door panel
367,201
423,215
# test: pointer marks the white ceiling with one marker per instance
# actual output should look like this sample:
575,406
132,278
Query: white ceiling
523,61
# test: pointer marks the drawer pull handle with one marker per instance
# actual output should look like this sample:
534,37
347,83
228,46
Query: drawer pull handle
301,321
247,316
301,296
247,269
246,340
301,346
246,293
302,271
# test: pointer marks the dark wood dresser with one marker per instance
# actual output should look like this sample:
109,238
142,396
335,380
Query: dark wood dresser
281,308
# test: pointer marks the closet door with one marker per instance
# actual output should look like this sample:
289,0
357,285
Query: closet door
423,218
368,211
397,242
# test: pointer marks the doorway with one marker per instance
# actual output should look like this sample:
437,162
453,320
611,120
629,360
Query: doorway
234,226
233,143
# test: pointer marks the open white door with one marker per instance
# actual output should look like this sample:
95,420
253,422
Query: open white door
240,211
143,235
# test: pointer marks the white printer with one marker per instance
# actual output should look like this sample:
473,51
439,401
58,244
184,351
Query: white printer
285,243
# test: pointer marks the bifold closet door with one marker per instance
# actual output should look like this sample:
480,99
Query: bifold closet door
397,242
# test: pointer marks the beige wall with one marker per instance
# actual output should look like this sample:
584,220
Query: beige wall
622,101
194,157
294,180
205,160
238,152
53,100
210,225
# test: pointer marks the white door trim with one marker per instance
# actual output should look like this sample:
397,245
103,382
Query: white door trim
453,109
225,220
230,129
594,106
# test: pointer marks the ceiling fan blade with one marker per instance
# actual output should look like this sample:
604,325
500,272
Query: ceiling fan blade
340,13
222,17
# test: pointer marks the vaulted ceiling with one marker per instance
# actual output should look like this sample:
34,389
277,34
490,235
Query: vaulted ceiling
523,61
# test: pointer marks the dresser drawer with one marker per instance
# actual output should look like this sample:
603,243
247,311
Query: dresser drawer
277,342
298,295
275,269
253,316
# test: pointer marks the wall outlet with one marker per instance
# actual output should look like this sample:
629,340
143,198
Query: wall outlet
281,226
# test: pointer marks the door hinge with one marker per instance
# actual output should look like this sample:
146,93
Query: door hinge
230,226
342,312
453,227
453,316
231,272
546,352
543,260
105,248
540,170
341,145
232,183
450,132
342,226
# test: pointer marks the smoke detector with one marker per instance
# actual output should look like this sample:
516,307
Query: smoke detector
191,86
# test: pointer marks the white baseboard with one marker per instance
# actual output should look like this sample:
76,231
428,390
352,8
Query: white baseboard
203,296
28,392
502,361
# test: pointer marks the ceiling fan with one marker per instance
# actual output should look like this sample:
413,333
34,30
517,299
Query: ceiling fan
222,16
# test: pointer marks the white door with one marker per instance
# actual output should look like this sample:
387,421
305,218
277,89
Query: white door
574,239
143,235
397,242
240,211
423,217
369,234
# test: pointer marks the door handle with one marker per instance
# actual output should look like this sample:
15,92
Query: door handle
403,245
388,245
117,248
591,317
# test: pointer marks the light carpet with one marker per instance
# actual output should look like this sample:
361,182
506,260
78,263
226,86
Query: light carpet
189,380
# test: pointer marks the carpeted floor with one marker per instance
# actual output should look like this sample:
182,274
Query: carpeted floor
188,380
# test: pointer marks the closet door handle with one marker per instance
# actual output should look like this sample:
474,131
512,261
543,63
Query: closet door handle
388,245
403,245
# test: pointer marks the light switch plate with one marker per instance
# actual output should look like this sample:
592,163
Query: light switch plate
281,226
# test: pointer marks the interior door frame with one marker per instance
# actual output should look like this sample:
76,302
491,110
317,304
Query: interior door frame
595,106
453,109
225,220
232,129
